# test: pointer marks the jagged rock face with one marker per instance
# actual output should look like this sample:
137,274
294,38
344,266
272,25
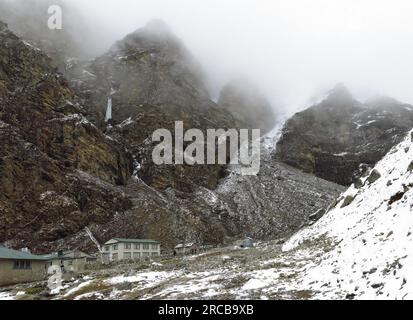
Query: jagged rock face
154,82
136,134
248,106
37,100
341,137
48,151
148,67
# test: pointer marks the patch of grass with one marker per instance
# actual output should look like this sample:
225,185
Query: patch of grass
288,276
236,282
275,265
154,290
322,242
95,286
302,294
34,290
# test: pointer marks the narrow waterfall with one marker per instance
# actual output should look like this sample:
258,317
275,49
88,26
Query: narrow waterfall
109,110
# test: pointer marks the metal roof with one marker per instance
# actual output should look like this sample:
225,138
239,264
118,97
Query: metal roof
123,240
66,255
10,254
187,245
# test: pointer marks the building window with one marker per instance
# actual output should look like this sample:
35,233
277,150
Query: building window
155,246
146,254
70,262
22,265
127,256
115,247
137,246
137,255
127,246
107,248
154,254
145,246
115,257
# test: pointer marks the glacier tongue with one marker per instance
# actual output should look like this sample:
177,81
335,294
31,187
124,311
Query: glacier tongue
369,241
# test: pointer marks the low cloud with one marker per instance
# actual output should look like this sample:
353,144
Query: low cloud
293,50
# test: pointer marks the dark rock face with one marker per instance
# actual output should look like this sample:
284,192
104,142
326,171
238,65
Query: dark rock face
47,151
135,134
148,67
248,106
339,137
154,82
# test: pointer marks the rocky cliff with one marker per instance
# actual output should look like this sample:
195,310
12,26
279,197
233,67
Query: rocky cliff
49,149
340,138
153,81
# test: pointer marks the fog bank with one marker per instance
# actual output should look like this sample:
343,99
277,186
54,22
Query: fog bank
293,50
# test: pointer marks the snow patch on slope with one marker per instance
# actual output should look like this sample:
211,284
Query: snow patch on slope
147,278
6,296
371,254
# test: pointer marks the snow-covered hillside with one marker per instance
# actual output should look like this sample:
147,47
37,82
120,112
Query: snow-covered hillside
370,234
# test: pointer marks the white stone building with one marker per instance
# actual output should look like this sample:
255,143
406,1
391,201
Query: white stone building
119,249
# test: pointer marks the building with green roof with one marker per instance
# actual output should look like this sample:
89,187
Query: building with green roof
21,266
72,261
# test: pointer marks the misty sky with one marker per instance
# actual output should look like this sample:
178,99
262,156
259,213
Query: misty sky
292,49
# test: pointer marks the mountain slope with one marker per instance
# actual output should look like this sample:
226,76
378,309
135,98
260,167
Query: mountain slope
64,169
277,201
49,149
340,138
153,81
361,249
369,242
150,66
